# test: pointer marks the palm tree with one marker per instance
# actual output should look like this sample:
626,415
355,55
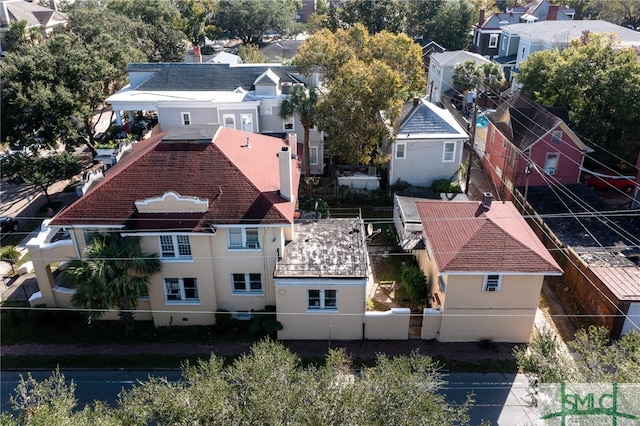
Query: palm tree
114,272
303,102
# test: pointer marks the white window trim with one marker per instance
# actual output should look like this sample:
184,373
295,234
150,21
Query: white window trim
313,149
247,285
242,117
176,251
224,120
548,170
485,283
266,110
493,40
244,238
289,120
444,152
188,121
183,300
556,134
322,307
404,151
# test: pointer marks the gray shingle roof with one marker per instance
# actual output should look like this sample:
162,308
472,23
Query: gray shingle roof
207,77
423,120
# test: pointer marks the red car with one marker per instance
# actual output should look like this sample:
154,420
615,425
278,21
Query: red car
603,181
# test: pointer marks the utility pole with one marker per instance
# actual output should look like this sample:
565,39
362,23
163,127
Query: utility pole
472,140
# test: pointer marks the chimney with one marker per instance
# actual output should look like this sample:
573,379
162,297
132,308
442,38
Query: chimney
286,187
487,198
197,56
53,4
248,145
292,140
416,101
481,18
552,15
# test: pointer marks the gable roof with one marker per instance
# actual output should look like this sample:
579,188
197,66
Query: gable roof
466,237
209,77
450,59
536,10
31,12
241,184
421,119
560,33
524,122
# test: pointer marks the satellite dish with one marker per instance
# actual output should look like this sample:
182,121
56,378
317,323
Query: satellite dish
370,229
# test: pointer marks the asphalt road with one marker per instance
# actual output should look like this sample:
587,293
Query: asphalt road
499,398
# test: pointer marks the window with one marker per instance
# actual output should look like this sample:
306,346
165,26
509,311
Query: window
175,246
493,135
323,299
266,111
186,118
551,163
313,155
243,238
246,283
449,152
247,122
229,120
504,42
181,290
493,41
556,136
288,123
512,156
401,149
491,283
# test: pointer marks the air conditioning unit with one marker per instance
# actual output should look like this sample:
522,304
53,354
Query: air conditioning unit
253,245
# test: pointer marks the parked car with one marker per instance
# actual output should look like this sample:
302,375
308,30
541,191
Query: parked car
8,224
603,181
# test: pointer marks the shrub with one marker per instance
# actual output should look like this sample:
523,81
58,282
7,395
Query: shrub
265,322
443,185
316,205
224,319
416,285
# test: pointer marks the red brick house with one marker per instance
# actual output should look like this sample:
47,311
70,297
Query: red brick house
527,145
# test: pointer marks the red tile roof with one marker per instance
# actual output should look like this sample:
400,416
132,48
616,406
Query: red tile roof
241,183
467,237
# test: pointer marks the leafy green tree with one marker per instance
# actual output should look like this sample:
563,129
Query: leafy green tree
302,102
598,81
18,35
419,14
270,386
621,12
11,255
364,77
113,273
249,20
416,285
594,358
39,171
251,54
196,16
469,75
452,24
376,16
